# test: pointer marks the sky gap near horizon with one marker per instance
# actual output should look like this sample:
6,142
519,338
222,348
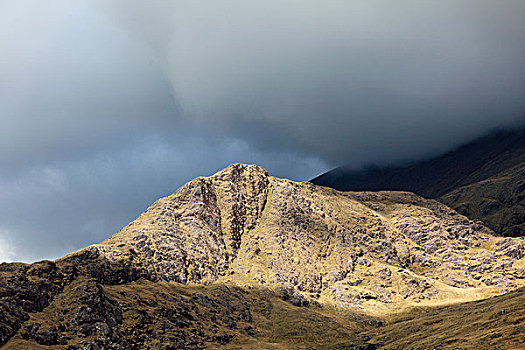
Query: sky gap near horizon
108,105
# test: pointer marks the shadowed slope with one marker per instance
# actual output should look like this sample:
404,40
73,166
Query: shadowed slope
498,200
458,179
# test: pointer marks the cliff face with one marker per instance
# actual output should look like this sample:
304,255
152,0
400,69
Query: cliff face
194,234
227,258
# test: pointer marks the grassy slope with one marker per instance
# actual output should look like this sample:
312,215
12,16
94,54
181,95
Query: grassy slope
497,322
272,324
498,200
494,323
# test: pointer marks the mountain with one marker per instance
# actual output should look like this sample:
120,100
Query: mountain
242,259
483,179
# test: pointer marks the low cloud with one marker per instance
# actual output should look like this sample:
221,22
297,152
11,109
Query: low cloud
7,252
361,81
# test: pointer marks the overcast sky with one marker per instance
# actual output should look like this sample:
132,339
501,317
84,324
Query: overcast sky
106,105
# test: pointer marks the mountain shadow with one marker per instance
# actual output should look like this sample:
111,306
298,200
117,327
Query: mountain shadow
483,179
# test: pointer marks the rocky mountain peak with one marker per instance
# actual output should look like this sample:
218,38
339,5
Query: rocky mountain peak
239,252
194,234
353,249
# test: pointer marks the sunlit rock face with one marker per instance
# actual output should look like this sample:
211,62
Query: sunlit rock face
350,249
228,257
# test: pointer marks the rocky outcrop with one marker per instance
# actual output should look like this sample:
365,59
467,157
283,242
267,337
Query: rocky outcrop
355,249
209,263
25,289
194,234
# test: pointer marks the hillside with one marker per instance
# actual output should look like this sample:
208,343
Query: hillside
494,323
242,259
483,179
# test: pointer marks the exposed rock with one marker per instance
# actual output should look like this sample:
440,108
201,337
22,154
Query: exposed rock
180,274
242,224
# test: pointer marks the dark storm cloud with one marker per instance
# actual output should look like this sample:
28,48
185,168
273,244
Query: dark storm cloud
56,208
107,105
353,81
71,82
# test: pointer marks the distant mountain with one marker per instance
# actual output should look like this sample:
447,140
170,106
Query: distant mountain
483,179
244,260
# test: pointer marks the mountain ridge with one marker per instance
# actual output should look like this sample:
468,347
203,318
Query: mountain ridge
228,258
485,159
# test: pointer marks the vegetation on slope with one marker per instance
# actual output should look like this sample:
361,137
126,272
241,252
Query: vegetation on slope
493,323
244,260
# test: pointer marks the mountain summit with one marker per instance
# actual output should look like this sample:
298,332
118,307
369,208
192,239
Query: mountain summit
231,259
242,225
